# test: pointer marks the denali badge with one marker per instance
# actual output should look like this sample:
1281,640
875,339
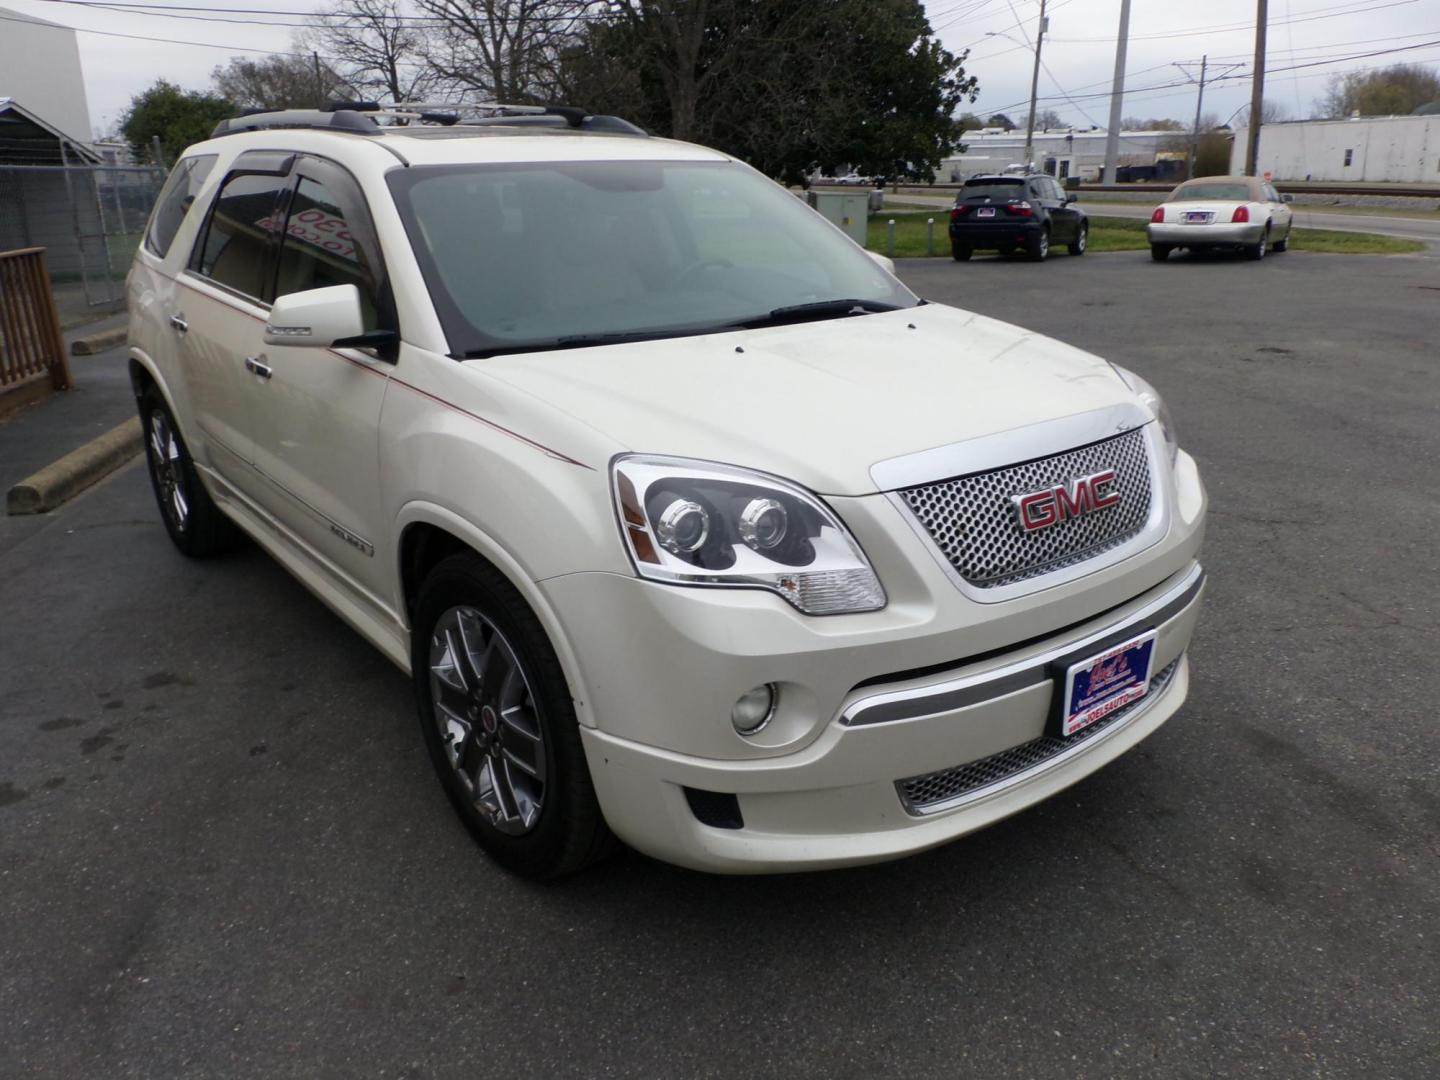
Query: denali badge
1041,509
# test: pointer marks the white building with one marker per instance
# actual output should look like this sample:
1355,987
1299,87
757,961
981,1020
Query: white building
1393,149
41,82
1060,152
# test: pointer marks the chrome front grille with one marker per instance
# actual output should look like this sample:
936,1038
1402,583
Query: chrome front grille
925,794
973,520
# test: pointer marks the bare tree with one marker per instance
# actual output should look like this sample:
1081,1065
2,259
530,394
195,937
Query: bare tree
1047,119
375,46
290,81
504,50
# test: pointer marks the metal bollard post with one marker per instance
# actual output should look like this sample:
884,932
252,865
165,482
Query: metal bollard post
930,236
890,238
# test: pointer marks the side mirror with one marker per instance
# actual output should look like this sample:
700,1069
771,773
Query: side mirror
1071,198
1287,198
322,318
888,265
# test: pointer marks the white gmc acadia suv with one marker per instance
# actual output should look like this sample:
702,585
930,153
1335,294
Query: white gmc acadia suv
693,525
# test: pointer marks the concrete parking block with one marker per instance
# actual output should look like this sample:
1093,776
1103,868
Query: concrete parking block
64,479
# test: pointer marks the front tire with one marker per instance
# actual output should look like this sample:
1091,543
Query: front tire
1081,241
1160,252
499,722
195,524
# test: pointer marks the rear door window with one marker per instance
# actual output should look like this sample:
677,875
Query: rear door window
175,200
238,248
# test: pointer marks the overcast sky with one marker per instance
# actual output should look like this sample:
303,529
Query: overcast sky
1078,54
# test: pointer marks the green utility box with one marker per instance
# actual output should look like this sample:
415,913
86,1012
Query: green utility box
844,208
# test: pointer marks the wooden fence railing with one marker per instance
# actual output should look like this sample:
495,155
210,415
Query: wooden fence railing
30,340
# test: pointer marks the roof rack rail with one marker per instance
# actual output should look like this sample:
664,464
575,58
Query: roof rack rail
362,117
344,120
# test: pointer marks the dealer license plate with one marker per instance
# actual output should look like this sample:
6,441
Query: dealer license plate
1198,217
1096,687
985,211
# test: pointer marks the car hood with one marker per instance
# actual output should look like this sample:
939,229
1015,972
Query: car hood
819,402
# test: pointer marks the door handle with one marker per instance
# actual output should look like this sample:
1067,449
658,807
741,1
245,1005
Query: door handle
178,323
258,366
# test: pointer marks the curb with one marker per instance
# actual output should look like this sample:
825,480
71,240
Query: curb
62,480
91,344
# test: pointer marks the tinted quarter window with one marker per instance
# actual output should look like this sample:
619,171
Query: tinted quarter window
175,200
238,245
320,248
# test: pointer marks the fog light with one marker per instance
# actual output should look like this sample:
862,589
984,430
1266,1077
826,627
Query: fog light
754,709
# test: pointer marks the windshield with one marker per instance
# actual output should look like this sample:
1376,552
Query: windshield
1227,192
550,254
993,189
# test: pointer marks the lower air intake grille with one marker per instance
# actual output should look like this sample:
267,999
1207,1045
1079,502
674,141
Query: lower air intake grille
922,794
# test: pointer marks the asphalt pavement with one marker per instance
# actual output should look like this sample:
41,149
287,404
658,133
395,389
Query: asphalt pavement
1397,224
223,853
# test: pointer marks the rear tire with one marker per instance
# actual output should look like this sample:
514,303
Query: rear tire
1159,252
1038,247
195,524
1256,252
959,252
1081,241
499,722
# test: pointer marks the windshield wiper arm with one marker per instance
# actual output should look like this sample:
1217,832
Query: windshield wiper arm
578,341
818,309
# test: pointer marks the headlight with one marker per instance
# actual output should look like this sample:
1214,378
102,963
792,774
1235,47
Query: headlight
697,523
1151,397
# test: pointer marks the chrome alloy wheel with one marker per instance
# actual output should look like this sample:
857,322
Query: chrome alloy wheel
169,470
487,719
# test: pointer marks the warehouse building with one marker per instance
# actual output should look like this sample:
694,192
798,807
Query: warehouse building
44,117
1370,149
1065,152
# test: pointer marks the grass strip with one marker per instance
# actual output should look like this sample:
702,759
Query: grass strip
1110,234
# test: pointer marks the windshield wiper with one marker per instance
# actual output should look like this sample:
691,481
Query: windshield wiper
579,341
819,309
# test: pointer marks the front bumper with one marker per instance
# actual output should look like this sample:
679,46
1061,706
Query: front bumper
1224,234
836,802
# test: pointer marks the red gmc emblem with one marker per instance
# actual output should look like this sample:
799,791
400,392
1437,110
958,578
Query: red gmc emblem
1041,509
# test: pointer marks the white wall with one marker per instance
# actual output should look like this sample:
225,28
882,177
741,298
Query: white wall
40,69
1396,149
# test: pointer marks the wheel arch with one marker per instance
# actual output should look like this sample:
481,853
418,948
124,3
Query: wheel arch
428,533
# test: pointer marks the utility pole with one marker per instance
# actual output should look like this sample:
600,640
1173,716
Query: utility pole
1035,89
319,86
1117,94
1195,131
1257,90
1185,66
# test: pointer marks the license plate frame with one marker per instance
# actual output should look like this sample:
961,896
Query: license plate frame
1123,671
1198,217
985,212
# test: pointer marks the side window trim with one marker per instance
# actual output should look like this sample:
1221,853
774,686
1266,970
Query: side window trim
250,163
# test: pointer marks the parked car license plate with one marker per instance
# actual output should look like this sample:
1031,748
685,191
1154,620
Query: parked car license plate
985,211
1197,217
1096,687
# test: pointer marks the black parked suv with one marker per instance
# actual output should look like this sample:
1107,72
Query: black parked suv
1003,213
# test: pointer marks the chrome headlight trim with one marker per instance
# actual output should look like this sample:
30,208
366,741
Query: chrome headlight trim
830,575
1156,404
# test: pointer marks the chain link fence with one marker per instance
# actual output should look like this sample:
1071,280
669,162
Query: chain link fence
88,218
